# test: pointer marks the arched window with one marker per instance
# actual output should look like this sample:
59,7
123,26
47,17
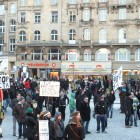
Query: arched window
122,35
22,36
13,8
54,35
103,55
102,36
72,55
37,35
12,25
86,34
54,54
37,54
137,55
122,54
2,27
87,55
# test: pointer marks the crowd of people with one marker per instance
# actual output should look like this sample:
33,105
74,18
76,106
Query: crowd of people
28,107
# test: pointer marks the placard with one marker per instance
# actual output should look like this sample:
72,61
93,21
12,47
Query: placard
49,88
43,130
4,81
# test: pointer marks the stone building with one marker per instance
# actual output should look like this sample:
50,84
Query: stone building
73,37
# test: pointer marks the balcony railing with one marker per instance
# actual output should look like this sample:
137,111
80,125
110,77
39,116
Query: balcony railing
74,5
1,35
89,22
87,5
137,22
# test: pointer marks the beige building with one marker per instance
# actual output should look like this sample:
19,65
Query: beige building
73,37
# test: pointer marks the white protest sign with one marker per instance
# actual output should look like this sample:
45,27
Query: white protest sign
4,81
49,88
43,130
117,79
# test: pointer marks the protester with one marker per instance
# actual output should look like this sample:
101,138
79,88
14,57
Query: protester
74,129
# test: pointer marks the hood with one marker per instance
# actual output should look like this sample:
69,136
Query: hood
73,95
57,114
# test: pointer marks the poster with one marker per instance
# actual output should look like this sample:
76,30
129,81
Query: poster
49,88
4,81
43,130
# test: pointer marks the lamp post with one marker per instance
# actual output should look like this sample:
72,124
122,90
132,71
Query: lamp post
46,69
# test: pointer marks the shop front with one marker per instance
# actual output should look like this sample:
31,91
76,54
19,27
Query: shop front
77,70
45,70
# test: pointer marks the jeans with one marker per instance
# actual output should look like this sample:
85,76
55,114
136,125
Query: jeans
14,125
100,119
110,109
127,118
133,118
6,102
85,125
21,127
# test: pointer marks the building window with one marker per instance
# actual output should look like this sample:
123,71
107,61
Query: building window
13,8
72,34
37,2
122,54
137,55
72,1
72,16
54,54
54,2
102,15
86,34
12,45
86,14
23,2
1,45
2,27
102,0
86,1
37,17
122,35
102,55
37,54
12,25
54,35
139,36
22,36
23,56
102,36
54,16
87,55
37,35
122,13
22,17
2,10
122,1
72,55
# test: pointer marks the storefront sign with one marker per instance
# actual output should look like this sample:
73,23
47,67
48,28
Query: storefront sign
43,130
49,88
4,81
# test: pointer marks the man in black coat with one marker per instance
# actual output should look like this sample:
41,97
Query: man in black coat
85,114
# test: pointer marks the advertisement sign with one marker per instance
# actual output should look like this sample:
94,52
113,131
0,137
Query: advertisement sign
4,81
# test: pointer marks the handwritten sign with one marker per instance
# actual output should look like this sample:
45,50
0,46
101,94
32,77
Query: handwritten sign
4,81
49,88
43,130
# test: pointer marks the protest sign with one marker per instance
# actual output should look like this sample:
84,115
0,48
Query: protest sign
117,79
49,88
43,130
4,81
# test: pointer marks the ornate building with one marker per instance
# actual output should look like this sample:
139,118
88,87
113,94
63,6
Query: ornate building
73,37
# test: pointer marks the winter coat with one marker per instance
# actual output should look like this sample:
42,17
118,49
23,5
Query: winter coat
62,100
111,98
72,102
85,111
58,128
79,100
13,105
20,112
128,106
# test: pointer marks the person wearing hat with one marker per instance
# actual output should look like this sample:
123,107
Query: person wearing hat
20,110
30,125
74,129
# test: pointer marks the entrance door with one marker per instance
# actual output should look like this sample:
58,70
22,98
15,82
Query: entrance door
34,72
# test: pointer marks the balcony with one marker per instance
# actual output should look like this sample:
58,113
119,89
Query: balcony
87,5
85,43
89,23
122,22
22,25
37,8
102,4
72,6
1,35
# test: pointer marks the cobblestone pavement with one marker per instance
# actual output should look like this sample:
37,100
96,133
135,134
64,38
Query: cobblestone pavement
115,130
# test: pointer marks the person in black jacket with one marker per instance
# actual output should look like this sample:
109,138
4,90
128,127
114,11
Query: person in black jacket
85,114
100,113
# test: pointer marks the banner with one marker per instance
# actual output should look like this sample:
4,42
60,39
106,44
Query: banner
117,79
43,130
4,81
49,88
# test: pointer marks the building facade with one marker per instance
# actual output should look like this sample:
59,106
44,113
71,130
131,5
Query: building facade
72,37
